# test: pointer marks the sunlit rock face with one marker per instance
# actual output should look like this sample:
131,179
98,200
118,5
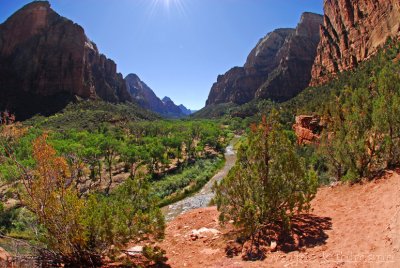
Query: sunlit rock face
278,68
47,60
308,129
352,32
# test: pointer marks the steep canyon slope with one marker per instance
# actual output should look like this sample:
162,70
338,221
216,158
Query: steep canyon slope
278,67
47,60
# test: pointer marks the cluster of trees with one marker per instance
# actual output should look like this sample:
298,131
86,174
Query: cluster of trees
77,230
360,112
10,134
156,147
363,125
46,171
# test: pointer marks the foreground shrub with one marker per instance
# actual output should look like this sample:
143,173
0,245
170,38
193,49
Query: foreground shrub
78,230
268,184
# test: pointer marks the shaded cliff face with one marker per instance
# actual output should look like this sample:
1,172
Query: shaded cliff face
47,60
143,94
171,108
185,110
147,99
277,68
296,59
352,32
240,84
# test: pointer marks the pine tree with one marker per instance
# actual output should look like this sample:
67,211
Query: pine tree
269,182
386,115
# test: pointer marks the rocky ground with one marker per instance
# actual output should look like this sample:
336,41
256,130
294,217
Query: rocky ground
349,226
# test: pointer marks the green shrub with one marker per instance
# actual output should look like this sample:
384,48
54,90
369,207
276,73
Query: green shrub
269,182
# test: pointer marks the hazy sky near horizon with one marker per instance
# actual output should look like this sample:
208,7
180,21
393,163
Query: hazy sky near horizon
177,47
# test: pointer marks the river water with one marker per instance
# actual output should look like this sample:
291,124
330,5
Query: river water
203,197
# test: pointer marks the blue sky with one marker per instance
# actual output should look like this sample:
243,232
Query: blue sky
177,47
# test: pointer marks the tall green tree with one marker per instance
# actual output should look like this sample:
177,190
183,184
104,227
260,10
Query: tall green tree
109,147
386,114
269,182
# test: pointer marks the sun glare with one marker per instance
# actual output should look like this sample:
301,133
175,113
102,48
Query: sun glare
168,6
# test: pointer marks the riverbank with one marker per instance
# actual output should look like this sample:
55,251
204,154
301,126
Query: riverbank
203,198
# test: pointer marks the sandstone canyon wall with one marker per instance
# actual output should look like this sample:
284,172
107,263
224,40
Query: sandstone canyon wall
47,60
352,32
278,68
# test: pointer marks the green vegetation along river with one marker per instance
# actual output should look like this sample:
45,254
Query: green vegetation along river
204,196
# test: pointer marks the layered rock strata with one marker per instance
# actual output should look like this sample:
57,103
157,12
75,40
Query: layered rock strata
352,32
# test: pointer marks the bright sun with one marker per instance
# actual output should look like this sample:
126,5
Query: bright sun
168,5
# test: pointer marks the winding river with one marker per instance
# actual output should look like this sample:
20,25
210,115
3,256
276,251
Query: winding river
203,197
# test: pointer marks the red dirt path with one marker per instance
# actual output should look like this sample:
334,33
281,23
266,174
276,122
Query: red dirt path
359,227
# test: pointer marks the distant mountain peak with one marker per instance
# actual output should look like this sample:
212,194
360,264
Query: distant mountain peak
132,76
185,110
146,98
167,99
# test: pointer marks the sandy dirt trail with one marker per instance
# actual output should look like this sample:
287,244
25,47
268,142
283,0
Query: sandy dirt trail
349,226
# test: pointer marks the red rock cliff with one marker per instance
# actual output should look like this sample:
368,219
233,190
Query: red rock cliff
46,60
353,30
278,68
308,129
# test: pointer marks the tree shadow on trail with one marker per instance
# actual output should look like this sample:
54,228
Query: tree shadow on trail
307,231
